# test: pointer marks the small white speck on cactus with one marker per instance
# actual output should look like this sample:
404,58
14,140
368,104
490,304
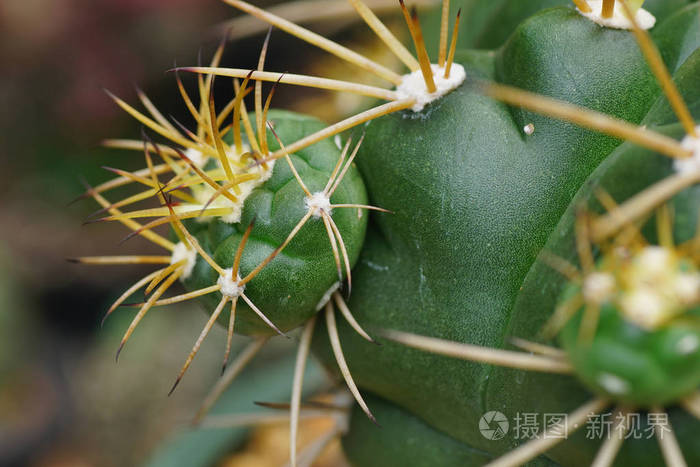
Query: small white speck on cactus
338,142
613,384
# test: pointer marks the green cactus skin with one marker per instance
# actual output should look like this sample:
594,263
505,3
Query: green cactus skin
290,287
643,361
421,444
502,197
649,362
410,442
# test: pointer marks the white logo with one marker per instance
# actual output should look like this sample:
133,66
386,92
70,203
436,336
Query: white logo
493,425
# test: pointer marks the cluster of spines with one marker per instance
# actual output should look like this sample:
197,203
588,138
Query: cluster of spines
238,164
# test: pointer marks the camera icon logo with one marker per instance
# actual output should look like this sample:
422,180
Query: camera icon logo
494,425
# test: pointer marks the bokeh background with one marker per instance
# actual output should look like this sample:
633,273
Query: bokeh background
63,399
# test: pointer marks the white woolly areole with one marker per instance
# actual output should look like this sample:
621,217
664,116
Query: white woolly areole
413,85
204,192
318,203
230,288
181,252
327,296
619,19
613,384
688,345
196,156
688,288
599,287
657,288
645,307
654,261
690,164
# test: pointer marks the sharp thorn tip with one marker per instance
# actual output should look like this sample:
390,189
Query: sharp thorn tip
119,351
177,381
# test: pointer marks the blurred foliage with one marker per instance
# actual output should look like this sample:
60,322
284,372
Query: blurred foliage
206,446
268,446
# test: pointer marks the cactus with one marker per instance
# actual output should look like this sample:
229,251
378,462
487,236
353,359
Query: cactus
535,236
